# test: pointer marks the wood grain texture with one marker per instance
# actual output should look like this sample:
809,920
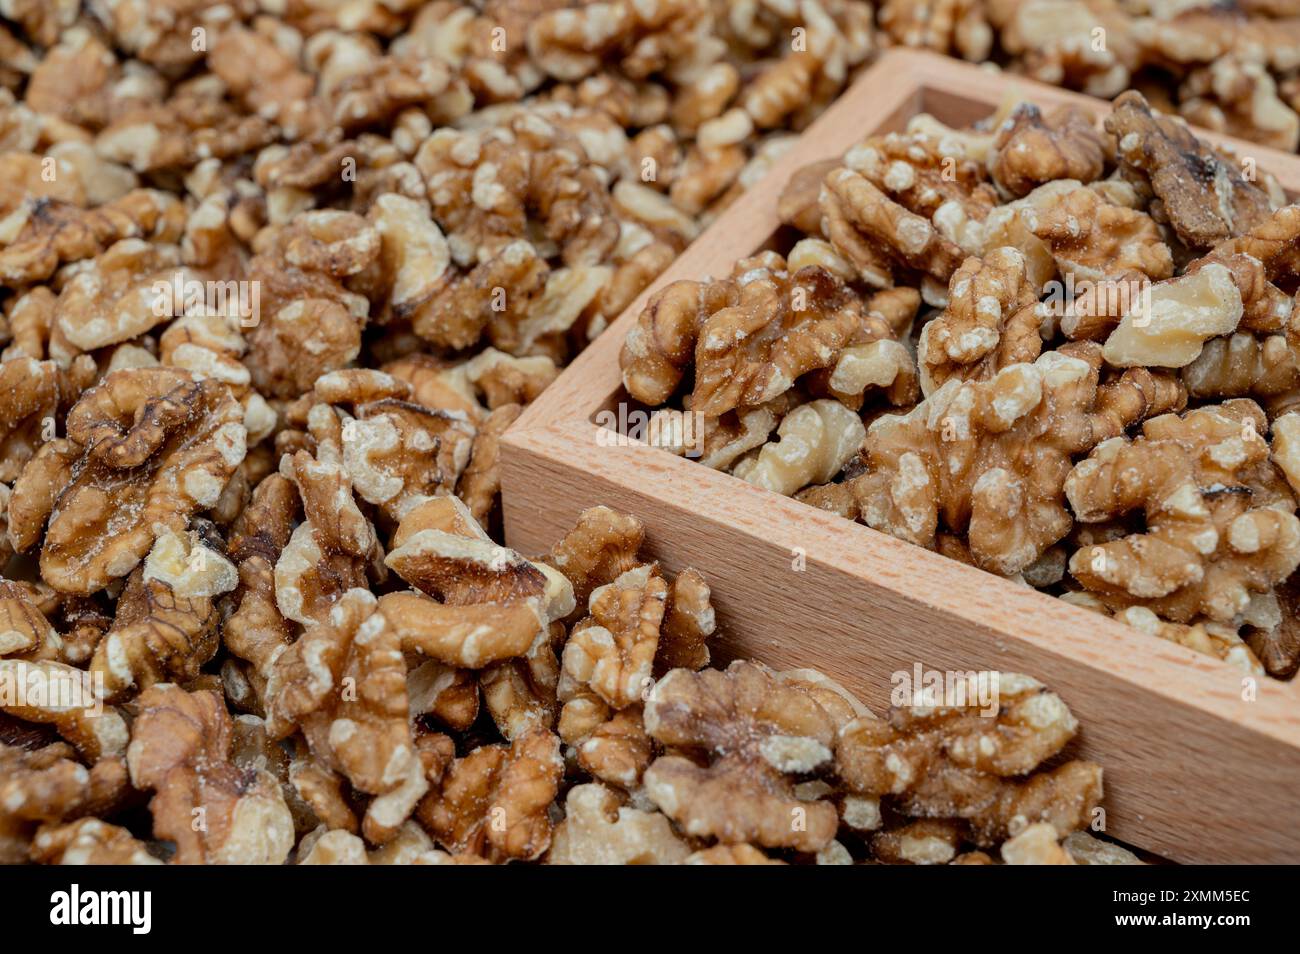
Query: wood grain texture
1194,772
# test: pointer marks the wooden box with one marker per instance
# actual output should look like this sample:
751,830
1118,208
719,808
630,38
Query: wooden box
1200,765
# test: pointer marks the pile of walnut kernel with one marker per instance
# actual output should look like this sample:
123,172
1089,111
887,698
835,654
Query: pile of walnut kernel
486,708
915,362
263,534
1232,66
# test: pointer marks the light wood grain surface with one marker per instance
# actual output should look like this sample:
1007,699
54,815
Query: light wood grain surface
1194,771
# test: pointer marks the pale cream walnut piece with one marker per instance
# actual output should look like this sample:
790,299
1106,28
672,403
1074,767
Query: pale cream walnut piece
1265,308
1169,323
874,366
89,841
751,733
495,801
813,443
1200,192
152,446
1087,849
1037,845
958,760
598,830
413,253
1220,525
189,566
1214,639
343,685
212,810
989,458
990,322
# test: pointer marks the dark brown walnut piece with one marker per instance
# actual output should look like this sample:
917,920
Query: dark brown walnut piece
1201,193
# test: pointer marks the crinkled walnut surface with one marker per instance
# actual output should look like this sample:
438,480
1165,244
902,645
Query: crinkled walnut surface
353,736
1096,398
276,283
